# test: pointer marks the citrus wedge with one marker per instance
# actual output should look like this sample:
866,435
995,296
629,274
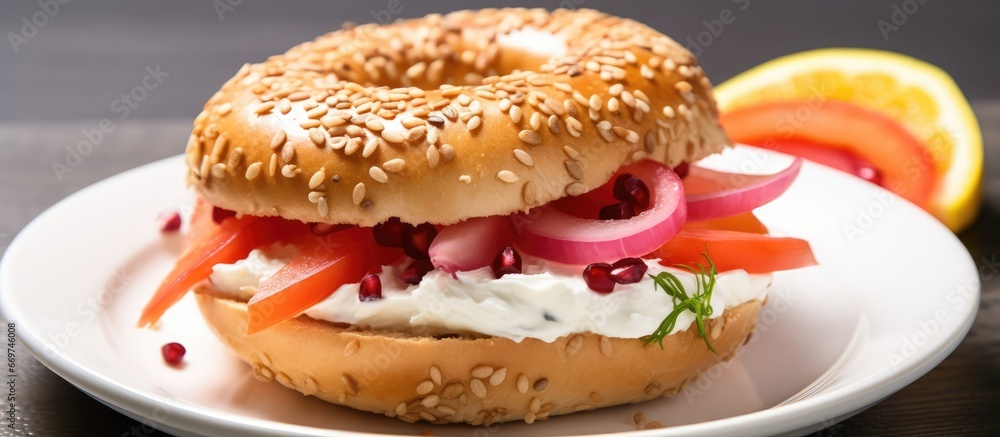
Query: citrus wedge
920,97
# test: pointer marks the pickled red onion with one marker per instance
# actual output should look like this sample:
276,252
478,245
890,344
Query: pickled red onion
713,194
554,235
471,244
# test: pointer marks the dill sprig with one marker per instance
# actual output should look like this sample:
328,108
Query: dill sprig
699,303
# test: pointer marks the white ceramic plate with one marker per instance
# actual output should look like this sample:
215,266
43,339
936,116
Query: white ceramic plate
895,293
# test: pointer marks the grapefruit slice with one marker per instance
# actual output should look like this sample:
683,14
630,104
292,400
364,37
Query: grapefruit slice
920,97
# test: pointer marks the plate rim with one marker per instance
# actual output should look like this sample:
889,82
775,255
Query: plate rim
191,418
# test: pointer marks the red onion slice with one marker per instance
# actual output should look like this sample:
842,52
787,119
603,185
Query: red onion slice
713,194
471,244
549,233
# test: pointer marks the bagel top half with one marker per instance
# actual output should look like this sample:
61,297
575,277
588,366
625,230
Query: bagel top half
444,118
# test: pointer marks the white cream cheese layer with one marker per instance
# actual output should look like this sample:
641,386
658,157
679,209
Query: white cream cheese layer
548,301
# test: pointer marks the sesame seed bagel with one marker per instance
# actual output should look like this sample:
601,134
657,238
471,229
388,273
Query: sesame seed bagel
478,381
448,117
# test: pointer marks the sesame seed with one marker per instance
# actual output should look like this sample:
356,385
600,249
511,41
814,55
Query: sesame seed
515,114
433,157
290,170
554,124
317,179
218,170
378,174
556,106
359,193
541,384
606,348
628,99
220,146
351,348
412,122
529,418
452,391
374,124
435,121
309,124
594,115
668,111
642,106
253,170
504,105
650,141
322,208
263,108
497,377
530,137
370,146
579,407
616,89
393,136
536,121
465,178
318,112
524,157
646,72
474,122
316,135
446,409
476,107
287,153
482,372
613,105
272,166
529,193
574,168
394,165
478,388
464,99
425,387
401,409
338,143
298,96
349,384
432,136
535,405
447,152
522,384
285,106
576,189
431,401
595,102
416,70
435,375
630,57
450,112
415,134
427,416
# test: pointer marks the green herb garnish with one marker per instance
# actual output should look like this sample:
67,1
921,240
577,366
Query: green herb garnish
699,303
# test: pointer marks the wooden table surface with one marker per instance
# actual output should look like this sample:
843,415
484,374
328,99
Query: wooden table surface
960,396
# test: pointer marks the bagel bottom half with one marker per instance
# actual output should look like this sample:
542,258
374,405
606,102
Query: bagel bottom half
470,380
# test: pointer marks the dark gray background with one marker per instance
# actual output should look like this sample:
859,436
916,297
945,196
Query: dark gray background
90,52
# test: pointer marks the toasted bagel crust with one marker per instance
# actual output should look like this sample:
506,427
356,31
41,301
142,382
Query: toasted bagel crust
444,118
470,380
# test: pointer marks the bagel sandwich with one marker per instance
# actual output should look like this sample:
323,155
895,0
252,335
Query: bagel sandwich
476,217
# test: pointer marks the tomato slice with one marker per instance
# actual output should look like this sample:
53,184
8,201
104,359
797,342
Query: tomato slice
340,258
227,242
905,165
731,250
746,222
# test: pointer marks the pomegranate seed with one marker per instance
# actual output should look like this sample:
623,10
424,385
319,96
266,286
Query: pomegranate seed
173,353
417,240
618,211
628,270
682,169
390,232
170,221
598,277
629,188
220,214
506,262
371,288
416,271
322,229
